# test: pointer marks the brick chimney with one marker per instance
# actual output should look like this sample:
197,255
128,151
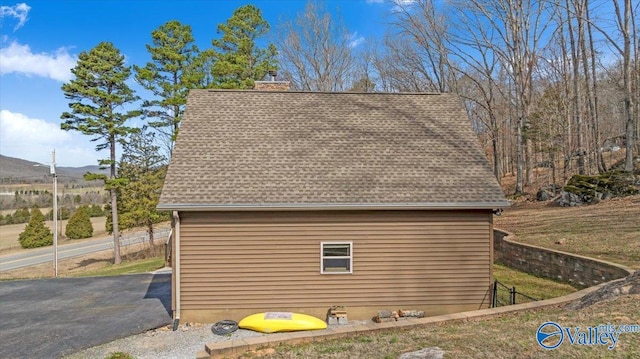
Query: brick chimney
272,85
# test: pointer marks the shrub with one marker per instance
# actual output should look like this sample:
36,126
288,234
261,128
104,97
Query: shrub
96,211
64,213
21,216
35,234
79,225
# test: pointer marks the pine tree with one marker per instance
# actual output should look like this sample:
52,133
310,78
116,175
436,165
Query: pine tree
36,234
97,94
21,216
239,61
79,225
170,75
144,168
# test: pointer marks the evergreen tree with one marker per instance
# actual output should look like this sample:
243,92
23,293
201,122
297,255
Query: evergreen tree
144,169
79,225
96,211
97,94
21,216
239,61
170,75
36,234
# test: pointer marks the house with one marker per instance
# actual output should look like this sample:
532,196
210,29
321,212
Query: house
300,201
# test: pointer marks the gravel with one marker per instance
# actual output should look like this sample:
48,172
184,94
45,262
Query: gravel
185,342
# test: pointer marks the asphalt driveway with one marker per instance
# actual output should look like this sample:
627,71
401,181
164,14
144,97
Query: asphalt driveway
50,318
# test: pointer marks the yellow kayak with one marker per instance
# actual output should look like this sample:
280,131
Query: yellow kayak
272,322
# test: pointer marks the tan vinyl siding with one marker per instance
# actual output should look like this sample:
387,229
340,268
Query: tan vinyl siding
242,262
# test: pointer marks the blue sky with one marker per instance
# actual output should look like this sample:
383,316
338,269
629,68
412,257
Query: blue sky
40,42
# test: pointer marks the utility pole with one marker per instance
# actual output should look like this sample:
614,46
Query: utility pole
55,213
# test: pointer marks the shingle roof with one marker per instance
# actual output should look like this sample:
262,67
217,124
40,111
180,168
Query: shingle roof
248,149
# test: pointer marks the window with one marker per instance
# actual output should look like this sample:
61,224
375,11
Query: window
336,257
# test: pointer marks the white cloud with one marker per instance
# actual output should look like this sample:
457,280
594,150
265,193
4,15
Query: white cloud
19,59
19,11
33,139
355,40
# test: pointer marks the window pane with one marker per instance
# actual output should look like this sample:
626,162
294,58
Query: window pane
335,250
336,265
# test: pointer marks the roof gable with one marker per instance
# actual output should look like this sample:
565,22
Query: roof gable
252,149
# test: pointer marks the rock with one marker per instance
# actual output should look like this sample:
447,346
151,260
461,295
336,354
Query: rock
425,353
629,285
593,189
543,195
568,199
562,241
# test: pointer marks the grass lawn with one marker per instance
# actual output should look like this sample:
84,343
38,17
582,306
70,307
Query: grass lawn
532,286
132,267
609,230
509,336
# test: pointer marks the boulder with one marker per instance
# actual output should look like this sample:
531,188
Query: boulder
628,285
425,353
569,199
582,189
543,195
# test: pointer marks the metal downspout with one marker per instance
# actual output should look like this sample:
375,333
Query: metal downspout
176,319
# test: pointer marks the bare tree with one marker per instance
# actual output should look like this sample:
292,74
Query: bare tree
424,41
519,26
592,92
624,26
625,22
477,66
575,64
316,51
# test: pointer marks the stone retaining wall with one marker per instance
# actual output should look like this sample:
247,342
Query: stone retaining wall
570,268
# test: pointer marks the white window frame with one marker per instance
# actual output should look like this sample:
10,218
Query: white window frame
350,257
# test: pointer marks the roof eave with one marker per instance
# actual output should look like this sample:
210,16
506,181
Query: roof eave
336,206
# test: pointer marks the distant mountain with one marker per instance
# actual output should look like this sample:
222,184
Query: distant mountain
16,170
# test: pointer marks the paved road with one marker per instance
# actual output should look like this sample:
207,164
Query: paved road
44,255
50,318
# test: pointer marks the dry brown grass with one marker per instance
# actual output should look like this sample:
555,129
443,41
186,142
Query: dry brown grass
609,230
509,336
9,233
82,265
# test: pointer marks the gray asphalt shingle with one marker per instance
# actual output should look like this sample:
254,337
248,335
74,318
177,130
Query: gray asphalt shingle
254,148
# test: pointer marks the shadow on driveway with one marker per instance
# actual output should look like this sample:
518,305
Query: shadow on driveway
50,318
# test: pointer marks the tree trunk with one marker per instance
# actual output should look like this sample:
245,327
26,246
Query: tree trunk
114,204
116,233
576,91
594,83
628,101
582,9
519,158
530,161
496,157
150,231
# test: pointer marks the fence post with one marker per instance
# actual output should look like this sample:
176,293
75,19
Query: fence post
513,295
494,294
